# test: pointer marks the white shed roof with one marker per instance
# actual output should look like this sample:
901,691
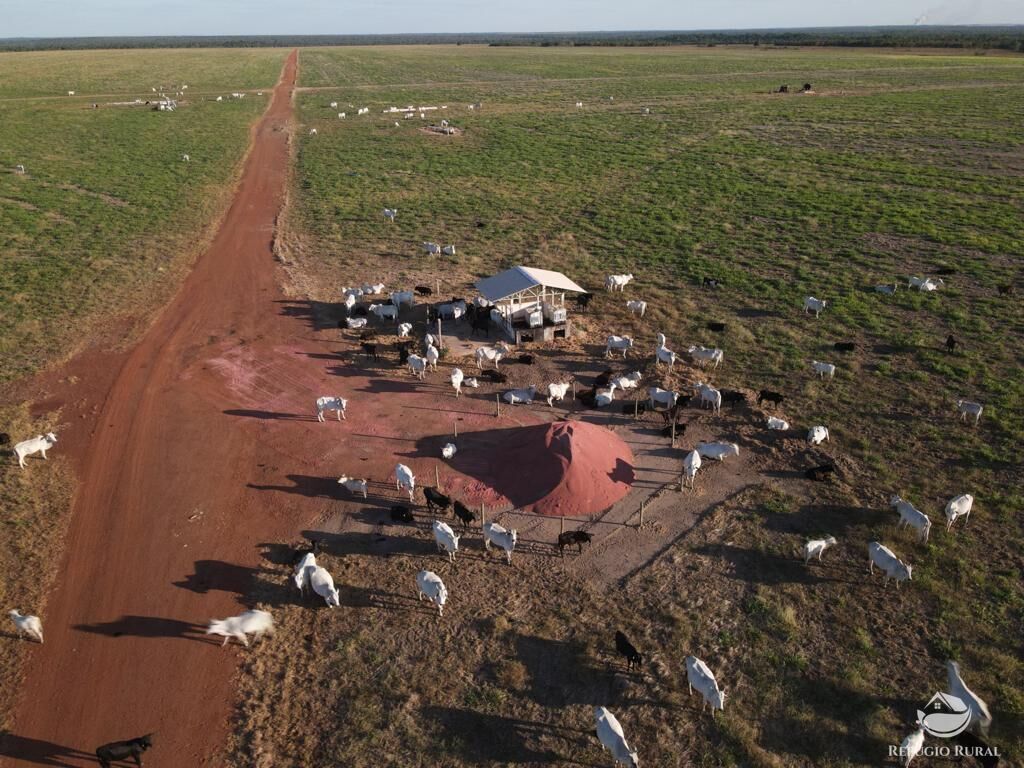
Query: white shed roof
512,281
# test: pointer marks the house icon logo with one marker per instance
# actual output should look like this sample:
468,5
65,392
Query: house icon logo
945,716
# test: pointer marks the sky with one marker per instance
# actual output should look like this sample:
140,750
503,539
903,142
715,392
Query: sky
75,18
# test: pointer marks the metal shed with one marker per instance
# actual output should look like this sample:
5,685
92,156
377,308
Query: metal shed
529,303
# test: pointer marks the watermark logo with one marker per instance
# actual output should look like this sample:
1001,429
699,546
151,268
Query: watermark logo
945,716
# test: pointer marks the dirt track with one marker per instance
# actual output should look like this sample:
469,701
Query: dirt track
157,535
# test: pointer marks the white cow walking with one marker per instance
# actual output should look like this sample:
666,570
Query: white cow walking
609,731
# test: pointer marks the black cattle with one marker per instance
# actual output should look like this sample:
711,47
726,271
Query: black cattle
422,290
604,379
122,750
820,474
625,648
717,327
588,397
807,87
370,350
945,271
951,343
567,539
403,353
464,513
631,408
525,359
1005,290
772,397
4,438
666,431
401,514
359,311
844,346
480,321
436,499
432,315
783,89
710,282
583,300
733,396
496,376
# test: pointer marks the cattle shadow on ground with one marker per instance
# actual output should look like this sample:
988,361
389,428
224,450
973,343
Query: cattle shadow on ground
755,567
147,626
478,737
269,415
367,597
320,315
216,575
375,544
39,752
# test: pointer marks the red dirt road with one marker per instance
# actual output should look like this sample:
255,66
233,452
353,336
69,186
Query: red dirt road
121,656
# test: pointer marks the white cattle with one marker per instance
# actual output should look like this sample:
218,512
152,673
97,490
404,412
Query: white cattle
579,105
432,249
376,288
604,396
448,250
558,392
385,311
27,625
363,111
817,435
332,403
967,408
957,508
354,323
350,303
637,307
717,451
312,131
690,466
256,623
334,105
471,382
432,356
889,290
491,354
892,566
912,517
417,365
323,584
452,310
710,396
823,369
609,732
404,478
774,423
516,396
814,305
398,298
699,676
352,485
704,355
188,159
429,584
616,343
815,547
658,396
628,381
448,451
980,717
911,746
495,534
457,378
71,93
404,329
40,444
663,354
617,282
446,539
302,571
390,213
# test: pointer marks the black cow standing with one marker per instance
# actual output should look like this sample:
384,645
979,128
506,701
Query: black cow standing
123,750
625,648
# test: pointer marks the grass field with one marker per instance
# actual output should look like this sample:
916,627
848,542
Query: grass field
899,165
95,236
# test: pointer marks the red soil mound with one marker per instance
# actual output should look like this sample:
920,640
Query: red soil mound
568,468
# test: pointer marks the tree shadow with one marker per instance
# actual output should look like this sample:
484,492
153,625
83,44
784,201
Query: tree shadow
376,544
216,575
39,752
305,485
561,673
147,626
815,519
320,315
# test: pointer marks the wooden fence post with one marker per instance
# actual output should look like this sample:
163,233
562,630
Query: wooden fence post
673,432
440,342
437,478
497,405
456,430
561,525
682,477
643,504
483,515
